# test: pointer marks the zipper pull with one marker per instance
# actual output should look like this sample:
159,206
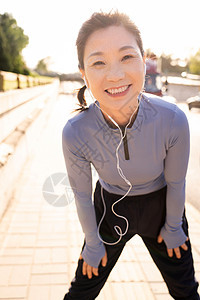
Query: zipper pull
125,143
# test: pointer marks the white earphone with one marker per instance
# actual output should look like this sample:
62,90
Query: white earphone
116,227
85,82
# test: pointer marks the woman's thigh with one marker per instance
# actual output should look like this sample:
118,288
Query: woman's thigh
178,273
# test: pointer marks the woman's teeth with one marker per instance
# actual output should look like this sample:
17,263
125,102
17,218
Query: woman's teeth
117,91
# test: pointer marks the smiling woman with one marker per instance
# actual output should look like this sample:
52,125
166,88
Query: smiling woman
141,186
117,67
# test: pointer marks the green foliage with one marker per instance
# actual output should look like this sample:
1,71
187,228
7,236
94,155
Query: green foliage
12,42
194,63
43,66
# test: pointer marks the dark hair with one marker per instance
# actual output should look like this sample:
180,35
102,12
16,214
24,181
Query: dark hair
99,21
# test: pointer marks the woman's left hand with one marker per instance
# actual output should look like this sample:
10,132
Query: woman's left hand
176,250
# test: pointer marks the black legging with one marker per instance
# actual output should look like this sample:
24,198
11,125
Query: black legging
146,215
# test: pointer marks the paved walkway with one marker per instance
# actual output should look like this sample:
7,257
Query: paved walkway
40,243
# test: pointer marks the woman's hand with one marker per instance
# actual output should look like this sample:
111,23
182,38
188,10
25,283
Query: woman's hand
89,270
176,250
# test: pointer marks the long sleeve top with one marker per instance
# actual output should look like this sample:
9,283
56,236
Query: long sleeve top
158,146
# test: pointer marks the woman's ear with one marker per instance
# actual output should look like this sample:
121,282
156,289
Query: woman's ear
83,77
82,73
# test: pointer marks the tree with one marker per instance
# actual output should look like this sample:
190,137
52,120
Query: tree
194,63
12,42
43,66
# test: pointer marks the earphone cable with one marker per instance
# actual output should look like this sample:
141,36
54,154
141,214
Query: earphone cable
116,227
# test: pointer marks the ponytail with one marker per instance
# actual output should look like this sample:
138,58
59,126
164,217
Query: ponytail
81,99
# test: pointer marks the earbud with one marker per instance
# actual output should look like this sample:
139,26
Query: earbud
85,82
145,69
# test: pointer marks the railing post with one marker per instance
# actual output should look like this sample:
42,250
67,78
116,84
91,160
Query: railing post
1,83
18,81
27,81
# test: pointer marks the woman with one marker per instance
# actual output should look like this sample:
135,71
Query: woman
139,146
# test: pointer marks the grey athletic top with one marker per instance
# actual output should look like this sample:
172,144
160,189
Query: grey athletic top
158,150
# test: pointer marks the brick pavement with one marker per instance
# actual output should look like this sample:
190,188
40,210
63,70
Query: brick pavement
40,243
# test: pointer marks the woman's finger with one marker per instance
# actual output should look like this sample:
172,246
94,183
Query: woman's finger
184,247
160,239
170,252
84,268
177,252
89,271
95,271
104,260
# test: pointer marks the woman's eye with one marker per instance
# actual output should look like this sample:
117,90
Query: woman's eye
98,63
127,57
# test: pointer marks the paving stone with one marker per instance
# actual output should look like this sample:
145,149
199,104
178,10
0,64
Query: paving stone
197,266
59,255
13,292
39,292
5,272
20,275
58,279
159,288
42,256
2,237
73,253
132,291
40,279
12,298
28,240
22,217
49,268
51,243
48,279
142,291
127,272
43,279
144,257
19,251
197,275
46,227
57,292
163,297
196,254
12,240
15,260
151,272
105,293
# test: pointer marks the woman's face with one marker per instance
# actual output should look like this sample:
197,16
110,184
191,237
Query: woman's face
113,67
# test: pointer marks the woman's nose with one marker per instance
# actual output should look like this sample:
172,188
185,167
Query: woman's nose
115,73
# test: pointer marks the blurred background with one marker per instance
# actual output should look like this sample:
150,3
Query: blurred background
168,28
40,235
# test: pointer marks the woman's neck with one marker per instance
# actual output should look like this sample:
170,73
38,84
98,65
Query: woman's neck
121,118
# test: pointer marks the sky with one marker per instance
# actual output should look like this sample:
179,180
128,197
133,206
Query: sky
170,27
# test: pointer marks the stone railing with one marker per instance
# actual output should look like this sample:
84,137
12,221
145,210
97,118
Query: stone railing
9,81
23,114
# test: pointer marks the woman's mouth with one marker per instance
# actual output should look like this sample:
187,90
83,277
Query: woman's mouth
120,91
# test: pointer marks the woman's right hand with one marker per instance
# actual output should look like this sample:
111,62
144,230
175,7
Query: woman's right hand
89,270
